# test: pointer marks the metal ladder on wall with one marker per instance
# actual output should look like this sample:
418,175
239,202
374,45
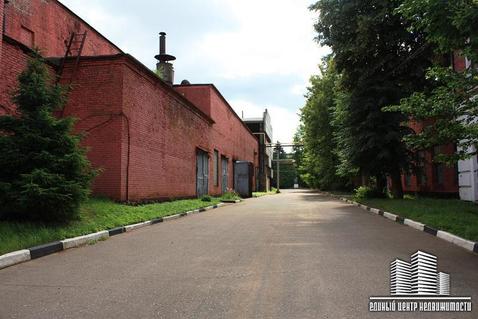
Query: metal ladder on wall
74,47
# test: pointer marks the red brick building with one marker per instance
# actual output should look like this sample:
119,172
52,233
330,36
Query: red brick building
145,135
435,178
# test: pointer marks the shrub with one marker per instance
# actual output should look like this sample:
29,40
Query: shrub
206,198
44,172
363,192
230,195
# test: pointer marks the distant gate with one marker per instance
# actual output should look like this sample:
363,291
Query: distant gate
225,174
202,170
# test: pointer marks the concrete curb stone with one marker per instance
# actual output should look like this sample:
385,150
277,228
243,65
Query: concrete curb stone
171,217
414,224
467,244
390,216
23,255
137,226
83,240
456,240
46,249
116,231
14,258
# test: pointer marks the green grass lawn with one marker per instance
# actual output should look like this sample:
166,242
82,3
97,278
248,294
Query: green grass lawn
451,215
96,215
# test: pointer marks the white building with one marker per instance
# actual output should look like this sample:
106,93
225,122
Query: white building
468,177
468,170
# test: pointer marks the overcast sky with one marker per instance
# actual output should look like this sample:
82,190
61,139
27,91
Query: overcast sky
259,53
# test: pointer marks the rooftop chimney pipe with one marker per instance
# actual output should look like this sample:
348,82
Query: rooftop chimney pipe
164,68
162,43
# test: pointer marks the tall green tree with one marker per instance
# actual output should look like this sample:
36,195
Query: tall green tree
451,26
320,160
381,61
44,173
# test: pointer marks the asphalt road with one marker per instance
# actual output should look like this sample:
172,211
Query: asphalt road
293,255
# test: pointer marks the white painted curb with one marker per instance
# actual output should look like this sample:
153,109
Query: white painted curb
467,244
13,258
171,217
414,224
136,226
19,256
390,216
464,243
83,240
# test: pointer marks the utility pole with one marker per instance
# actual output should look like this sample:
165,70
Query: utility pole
278,170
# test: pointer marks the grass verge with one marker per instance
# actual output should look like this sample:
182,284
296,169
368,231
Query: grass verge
96,215
273,191
452,215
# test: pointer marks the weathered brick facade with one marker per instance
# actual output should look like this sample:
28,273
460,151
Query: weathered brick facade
2,4
46,24
140,132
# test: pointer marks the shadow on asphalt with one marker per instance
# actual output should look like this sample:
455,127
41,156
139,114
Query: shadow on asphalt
312,196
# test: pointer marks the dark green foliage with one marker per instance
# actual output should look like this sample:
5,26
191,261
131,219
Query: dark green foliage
451,26
381,61
44,172
206,198
320,162
452,105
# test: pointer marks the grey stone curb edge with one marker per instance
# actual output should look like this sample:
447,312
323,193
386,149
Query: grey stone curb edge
463,243
23,255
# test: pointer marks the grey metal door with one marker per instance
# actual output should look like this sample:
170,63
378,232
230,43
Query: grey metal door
224,169
202,171
243,178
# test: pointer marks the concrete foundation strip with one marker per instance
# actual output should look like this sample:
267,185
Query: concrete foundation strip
23,255
464,243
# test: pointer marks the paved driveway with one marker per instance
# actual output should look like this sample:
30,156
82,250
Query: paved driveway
293,255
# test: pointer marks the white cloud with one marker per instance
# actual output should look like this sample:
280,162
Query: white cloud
284,121
299,89
273,37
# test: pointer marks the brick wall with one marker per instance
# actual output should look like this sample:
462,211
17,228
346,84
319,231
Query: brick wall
14,60
198,95
164,137
458,62
147,148
46,24
230,136
431,184
96,103
2,3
